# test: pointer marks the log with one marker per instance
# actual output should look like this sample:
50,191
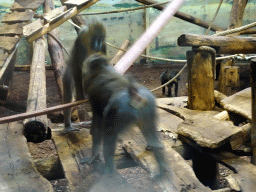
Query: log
236,15
222,86
36,128
222,45
56,52
200,80
253,131
184,16
120,53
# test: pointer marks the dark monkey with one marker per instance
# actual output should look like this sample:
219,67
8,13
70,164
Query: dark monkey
117,103
165,77
91,39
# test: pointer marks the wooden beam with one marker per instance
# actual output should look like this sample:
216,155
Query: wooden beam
222,45
36,128
184,16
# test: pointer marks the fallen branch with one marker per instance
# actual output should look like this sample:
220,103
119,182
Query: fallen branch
22,116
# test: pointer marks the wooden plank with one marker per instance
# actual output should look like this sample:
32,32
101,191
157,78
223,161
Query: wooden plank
71,149
208,132
180,176
223,45
17,17
18,172
21,5
8,43
239,103
176,105
14,29
50,15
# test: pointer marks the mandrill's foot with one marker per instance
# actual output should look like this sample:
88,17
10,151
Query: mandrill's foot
90,160
70,129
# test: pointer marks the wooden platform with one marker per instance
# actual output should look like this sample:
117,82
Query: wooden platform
239,103
18,172
72,147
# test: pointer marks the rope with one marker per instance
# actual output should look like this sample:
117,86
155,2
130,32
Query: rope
238,29
126,10
216,13
171,79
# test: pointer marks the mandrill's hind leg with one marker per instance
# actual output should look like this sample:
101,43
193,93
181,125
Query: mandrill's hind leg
96,139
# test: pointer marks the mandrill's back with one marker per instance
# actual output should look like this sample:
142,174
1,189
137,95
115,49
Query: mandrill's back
101,80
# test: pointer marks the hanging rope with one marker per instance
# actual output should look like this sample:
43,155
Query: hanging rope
216,13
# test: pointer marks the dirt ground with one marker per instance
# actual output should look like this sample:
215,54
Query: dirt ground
148,75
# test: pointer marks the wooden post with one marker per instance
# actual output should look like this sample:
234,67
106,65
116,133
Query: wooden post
222,77
200,80
253,129
36,128
232,76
